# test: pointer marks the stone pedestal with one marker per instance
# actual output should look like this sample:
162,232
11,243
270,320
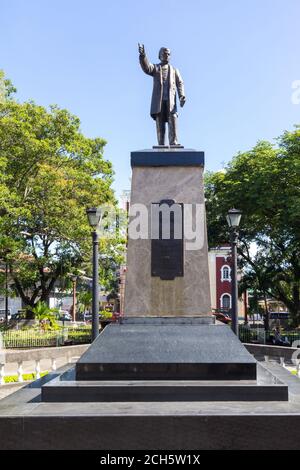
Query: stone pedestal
168,174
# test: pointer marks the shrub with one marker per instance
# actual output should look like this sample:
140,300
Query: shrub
26,377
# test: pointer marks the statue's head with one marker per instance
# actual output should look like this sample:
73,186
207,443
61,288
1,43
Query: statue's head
164,55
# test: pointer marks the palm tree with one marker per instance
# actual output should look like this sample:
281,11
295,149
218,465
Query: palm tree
42,312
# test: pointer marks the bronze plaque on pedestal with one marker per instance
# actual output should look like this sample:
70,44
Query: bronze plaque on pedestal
167,246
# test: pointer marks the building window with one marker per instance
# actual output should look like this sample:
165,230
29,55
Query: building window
225,273
226,301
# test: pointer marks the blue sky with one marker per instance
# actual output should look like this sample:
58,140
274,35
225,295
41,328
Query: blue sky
238,59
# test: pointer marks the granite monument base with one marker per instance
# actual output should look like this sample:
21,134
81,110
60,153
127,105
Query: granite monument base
159,359
166,351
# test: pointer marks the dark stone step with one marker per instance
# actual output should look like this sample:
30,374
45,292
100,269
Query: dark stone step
153,391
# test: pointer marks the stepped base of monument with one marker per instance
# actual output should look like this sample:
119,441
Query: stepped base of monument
66,389
165,359
26,422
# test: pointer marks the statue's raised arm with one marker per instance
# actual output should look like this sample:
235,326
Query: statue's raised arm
141,49
166,81
147,67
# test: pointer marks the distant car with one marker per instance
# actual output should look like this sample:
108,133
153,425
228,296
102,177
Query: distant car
279,315
222,317
256,317
64,316
87,317
3,314
3,317
18,316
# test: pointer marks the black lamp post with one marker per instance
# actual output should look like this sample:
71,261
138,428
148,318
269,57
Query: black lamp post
94,216
233,219
6,293
74,280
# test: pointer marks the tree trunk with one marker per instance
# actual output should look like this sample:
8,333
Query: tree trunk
296,301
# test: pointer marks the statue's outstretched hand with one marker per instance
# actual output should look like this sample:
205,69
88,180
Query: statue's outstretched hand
141,49
182,101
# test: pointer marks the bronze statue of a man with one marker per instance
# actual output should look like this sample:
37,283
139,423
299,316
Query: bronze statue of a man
166,79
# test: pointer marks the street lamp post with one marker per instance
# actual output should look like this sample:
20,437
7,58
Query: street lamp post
74,279
6,293
233,219
94,216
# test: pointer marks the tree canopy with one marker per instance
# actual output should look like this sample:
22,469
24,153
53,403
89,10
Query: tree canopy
264,183
49,173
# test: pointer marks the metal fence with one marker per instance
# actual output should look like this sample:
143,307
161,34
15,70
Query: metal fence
83,335
40,339
262,336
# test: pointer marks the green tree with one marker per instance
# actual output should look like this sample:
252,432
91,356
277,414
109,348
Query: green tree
49,173
265,184
257,279
84,299
113,256
7,90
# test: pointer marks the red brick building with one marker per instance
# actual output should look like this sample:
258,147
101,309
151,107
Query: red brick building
220,280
